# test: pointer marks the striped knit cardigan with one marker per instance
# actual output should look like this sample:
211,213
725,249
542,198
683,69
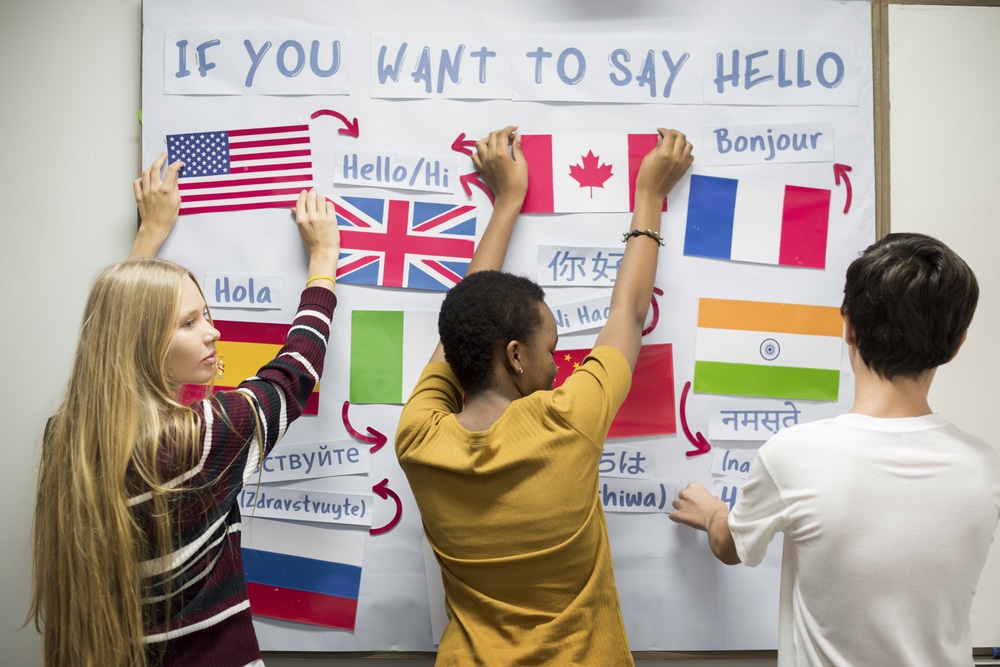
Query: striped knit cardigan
210,623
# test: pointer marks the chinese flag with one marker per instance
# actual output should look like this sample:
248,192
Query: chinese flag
649,407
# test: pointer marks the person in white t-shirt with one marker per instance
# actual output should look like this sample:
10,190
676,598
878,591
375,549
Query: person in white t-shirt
888,511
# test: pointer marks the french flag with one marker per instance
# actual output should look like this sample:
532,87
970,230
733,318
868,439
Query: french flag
583,172
307,573
757,221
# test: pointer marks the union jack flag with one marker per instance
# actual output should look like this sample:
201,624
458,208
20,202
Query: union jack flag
239,170
399,243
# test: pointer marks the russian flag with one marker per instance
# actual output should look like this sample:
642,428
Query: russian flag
757,221
307,573
583,173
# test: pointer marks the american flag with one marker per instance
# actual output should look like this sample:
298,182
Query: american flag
237,170
399,243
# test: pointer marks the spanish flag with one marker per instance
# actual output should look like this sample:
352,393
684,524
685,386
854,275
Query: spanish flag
242,349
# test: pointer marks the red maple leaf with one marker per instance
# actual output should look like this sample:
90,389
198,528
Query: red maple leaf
590,175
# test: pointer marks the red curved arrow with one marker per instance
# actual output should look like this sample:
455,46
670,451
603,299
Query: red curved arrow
473,178
656,311
701,444
376,439
384,492
840,171
463,145
351,129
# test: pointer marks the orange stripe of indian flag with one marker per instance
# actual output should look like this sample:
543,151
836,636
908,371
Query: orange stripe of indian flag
242,360
752,348
766,316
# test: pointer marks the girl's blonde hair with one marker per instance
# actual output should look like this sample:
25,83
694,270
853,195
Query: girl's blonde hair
106,443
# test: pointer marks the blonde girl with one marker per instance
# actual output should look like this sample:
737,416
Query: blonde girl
137,555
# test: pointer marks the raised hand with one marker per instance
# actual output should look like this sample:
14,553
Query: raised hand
159,202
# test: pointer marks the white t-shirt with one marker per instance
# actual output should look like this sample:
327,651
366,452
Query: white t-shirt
887,524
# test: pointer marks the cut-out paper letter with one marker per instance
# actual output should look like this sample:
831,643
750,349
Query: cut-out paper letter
398,243
637,496
649,407
757,221
579,267
312,460
777,350
239,170
743,419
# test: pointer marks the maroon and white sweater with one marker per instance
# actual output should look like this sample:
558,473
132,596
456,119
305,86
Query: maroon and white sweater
210,623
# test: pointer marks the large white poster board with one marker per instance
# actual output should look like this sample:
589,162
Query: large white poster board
378,101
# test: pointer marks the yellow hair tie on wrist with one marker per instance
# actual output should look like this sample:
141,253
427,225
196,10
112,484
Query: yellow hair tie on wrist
315,278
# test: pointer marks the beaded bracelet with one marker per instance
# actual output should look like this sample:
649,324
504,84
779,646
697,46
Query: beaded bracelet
315,278
643,232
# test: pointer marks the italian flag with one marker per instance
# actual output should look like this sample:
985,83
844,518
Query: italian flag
583,173
389,349
776,350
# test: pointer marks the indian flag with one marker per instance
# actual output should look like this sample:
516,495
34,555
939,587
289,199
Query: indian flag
777,350
389,349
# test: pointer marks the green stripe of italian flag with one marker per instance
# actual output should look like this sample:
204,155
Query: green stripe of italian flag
388,351
775,350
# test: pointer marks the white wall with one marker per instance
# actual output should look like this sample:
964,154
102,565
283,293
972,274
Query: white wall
945,91
69,151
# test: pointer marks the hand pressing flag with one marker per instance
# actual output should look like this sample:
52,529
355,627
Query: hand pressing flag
777,350
649,407
757,221
398,243
239,170
389,349
580,173
244,347
303,573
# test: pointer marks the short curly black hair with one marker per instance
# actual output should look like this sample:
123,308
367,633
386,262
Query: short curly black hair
910,299
480,315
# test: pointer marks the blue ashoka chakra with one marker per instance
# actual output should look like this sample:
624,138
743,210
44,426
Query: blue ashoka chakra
770,349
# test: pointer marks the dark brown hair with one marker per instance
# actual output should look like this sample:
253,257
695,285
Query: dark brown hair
480,315
910,299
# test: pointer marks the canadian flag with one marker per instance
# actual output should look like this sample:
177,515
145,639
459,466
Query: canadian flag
583,173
